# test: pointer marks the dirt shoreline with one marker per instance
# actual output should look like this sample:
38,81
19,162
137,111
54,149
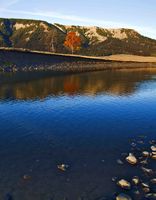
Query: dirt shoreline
12,60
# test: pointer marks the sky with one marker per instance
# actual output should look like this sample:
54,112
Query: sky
136,14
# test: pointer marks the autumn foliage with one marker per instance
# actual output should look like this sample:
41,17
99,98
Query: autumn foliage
72,41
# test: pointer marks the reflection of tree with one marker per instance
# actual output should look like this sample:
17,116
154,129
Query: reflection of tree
71,85
113,82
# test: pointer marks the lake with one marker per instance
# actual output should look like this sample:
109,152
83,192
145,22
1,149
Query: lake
84,120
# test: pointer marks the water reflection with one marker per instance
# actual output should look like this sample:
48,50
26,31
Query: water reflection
40,85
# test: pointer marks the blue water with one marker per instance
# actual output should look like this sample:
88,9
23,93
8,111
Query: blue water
83,120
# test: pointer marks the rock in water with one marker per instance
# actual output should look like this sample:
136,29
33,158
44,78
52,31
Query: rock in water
145,153
119,162
153,148
124,184
146,190
131,159
135,180
153,181
145,185
151,196
123,196
26,177
63,167
153,157
147,170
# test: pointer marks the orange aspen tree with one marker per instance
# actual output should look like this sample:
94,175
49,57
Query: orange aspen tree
72,41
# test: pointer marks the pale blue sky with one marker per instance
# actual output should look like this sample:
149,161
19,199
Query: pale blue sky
136,14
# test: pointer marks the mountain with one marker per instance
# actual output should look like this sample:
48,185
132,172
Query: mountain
96,41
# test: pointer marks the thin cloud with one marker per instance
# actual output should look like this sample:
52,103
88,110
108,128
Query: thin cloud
148,31
6,4
67,17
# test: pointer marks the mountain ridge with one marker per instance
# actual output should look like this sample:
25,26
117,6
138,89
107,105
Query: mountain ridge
96,41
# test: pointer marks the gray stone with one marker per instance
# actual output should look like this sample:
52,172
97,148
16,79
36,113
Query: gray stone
119,162
147,170
123,196
135,180
153,147
145,153
124,184
131,159
151,196
153,181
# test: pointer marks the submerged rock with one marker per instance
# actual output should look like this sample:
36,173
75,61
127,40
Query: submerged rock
152,141
140,142
26,177
136,192
114,179
135,180
153,181
145,153
144,162
153,148
124,184
151,196
133,144
153,157
123,196
147,170
120,162
145,185
63,167
146,190
131,159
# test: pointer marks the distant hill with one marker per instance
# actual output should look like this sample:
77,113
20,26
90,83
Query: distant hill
96,41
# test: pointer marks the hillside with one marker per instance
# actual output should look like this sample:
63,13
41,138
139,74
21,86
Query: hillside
96,41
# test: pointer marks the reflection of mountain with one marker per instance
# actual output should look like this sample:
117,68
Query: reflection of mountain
113,82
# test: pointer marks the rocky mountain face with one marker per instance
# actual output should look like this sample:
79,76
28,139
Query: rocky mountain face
96,41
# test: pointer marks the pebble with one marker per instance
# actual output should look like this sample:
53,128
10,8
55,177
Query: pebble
145,153
26,177
135,180
146,170
136,192
63,167
120,162
123,196
124,184
153,148
133,144
144,162
153,180
151,196
131,159
146,190
145,185
153,157
140,142
114,179
152,141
